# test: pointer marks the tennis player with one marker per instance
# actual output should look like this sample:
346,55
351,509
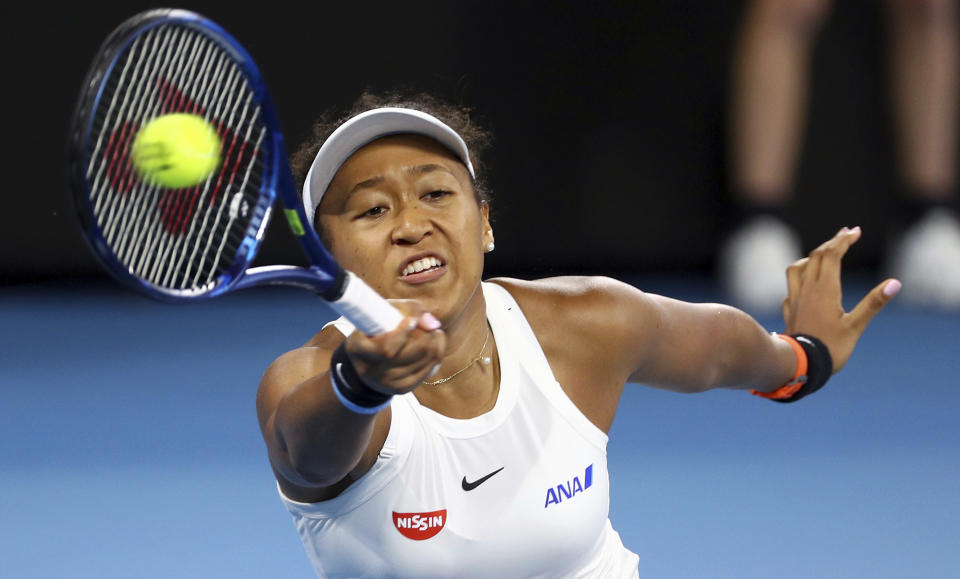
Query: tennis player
470,441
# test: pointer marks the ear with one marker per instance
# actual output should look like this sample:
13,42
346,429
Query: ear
485,226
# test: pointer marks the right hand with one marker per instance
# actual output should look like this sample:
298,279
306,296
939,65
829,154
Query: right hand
398,361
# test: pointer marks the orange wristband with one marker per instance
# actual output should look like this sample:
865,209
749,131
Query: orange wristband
799,377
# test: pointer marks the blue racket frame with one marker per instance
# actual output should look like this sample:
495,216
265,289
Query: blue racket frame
324,276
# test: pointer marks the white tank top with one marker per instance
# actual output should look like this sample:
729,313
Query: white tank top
520,491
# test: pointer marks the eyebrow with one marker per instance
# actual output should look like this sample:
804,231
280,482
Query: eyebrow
415,170
429,168
372,182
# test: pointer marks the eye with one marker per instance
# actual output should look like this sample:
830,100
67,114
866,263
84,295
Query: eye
374,211
437,194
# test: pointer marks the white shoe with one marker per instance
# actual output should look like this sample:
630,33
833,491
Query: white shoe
754,261
927,260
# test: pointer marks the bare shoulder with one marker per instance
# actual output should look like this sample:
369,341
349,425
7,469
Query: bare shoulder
593,330
561,287
580,317
597,299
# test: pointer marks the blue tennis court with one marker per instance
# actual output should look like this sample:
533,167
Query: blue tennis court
130,448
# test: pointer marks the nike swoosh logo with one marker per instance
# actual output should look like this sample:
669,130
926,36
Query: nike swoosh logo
469,486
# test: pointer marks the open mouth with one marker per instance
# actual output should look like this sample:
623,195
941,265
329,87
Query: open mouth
425,264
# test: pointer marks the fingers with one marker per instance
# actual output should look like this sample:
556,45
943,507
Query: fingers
834,252
427,322
869,306
795,275
814,301
825,259
401,345
400,359
389,343
819,272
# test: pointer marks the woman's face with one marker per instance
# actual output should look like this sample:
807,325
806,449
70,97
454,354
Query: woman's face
401,213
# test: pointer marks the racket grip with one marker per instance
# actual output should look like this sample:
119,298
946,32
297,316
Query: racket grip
365,308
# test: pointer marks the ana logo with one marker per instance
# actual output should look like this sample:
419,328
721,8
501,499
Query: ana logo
570,488
420,526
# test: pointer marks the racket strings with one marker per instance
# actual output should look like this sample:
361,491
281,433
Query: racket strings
138,96
181,239
215,252
144,244
171,206
138,245
178,208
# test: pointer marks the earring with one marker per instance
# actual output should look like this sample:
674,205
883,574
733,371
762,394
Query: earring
490,247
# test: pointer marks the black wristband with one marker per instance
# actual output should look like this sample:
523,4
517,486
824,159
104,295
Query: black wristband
352,391
819,366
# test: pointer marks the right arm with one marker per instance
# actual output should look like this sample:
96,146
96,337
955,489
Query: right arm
317,446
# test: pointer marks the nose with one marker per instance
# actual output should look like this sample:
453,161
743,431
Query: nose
412,226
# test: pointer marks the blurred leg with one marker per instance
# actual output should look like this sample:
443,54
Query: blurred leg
768,117
770,90
925,56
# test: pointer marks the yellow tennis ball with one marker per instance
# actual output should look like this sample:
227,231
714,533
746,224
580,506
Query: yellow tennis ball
176,150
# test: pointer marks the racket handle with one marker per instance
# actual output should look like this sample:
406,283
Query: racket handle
365,308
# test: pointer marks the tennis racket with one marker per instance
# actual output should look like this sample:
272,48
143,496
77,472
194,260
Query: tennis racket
194,243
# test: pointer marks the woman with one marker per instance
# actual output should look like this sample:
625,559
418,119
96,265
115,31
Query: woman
470,440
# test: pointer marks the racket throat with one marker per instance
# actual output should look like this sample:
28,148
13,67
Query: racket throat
313,279
359,303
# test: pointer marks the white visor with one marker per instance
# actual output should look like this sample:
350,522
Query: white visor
366,128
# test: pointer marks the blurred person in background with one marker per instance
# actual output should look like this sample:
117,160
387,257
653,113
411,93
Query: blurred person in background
770,90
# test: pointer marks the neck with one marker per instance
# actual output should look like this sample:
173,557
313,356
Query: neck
474,390
465,337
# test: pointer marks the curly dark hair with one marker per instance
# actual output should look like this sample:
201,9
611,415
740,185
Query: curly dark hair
458,117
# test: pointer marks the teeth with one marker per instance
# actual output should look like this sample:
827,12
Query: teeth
420,265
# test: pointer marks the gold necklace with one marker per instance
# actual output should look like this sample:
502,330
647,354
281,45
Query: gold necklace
480,357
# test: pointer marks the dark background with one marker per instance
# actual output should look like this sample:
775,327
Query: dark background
609,119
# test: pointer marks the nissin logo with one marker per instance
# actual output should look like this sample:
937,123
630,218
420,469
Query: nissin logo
420,526
570,488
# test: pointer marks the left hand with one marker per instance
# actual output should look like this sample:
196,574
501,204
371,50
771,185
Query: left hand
814,300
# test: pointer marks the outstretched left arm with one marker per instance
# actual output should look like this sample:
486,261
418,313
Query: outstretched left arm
702,346
599,333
